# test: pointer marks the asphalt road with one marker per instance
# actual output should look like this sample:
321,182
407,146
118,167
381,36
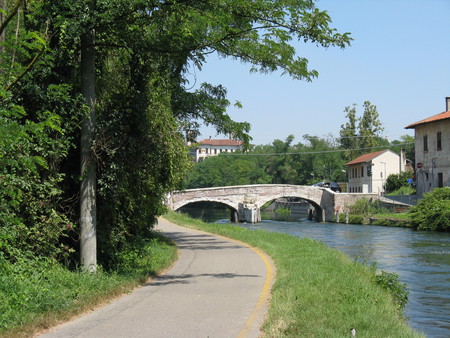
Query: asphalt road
217,288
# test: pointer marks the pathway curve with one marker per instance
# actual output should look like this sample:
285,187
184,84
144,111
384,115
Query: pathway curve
217,288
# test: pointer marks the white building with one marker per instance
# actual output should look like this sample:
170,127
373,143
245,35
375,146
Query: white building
210,147
369,172
432,148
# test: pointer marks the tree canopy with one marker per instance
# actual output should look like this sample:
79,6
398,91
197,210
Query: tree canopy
106,80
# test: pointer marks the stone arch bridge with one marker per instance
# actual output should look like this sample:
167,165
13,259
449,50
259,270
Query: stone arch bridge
245,201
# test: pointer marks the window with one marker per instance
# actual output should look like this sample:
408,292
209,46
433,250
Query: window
440,180
362,171
425,143
439,140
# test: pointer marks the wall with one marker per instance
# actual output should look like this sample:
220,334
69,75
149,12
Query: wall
433,161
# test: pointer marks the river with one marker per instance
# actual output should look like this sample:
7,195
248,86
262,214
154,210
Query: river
421,259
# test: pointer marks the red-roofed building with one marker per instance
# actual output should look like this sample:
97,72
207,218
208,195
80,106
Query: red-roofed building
368,172
211,147
432,148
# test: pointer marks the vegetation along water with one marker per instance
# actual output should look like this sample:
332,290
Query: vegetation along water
421,259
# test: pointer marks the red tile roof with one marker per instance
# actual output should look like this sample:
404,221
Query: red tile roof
366,157
226,142
438,117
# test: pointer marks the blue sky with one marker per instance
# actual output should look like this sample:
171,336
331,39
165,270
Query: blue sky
399,60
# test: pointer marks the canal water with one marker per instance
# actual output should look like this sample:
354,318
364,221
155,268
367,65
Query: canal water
421,259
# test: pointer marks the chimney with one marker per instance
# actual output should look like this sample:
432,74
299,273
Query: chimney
402,160
447,103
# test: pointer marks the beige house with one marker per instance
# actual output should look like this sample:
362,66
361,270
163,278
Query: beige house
368,173
210,147
432,149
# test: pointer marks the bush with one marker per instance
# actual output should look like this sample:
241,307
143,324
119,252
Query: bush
433,211
403,191
390,282
361,207
355,219
396,181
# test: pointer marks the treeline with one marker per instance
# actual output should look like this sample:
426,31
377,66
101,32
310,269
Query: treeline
285,162
94,110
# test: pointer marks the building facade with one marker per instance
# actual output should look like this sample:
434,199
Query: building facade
368,173
432,149
211,147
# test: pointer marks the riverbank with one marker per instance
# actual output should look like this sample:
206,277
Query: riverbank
401,220
318,291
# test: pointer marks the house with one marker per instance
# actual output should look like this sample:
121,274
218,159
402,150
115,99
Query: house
210,147
368,173
432,149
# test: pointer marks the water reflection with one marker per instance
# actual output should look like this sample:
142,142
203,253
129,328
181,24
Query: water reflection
421,259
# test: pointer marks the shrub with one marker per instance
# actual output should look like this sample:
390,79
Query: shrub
403,191
390,282
397,181
355,219
361,207
433,211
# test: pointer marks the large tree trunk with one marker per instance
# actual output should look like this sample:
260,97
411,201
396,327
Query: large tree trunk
88,208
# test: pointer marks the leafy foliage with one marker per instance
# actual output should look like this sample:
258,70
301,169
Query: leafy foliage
359,134
433,211
144,52
390,282
397,181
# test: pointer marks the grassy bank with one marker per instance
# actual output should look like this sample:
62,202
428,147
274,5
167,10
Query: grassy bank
38,294
319,292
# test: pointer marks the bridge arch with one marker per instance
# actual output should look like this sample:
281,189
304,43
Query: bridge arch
233,211
248,199
315,211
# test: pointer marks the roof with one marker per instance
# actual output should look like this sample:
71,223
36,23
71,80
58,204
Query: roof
225,142
366,157
438,117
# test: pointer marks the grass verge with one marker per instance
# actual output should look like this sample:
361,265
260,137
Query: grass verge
319,292
38,294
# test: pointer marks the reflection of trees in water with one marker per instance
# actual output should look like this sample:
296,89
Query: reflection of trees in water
207,211
212,212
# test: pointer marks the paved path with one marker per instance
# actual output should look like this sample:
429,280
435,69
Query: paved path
217,288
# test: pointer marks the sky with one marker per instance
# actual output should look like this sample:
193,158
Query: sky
399,60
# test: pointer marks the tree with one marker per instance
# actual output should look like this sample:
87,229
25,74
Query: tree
227,170
360,134
34,142
407,143
396,181
143,50
369,127
348,133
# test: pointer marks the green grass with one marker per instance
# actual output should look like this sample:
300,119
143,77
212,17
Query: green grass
38,294
319,292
